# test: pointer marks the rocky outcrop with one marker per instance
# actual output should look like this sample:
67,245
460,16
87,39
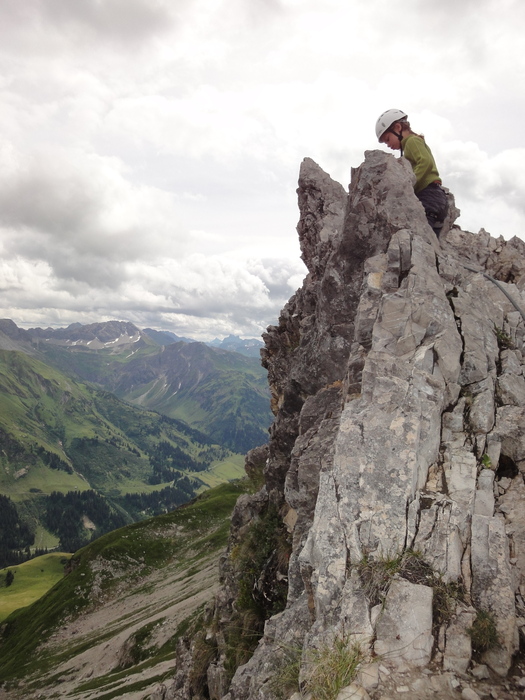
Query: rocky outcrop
398,446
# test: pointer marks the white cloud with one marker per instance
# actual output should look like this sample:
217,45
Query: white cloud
52,26
71,201
150,149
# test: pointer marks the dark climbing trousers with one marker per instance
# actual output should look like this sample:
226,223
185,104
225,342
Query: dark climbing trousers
434,200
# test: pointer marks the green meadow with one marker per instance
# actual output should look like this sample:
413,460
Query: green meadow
31,580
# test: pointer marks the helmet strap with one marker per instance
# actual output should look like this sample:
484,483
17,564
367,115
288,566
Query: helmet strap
399,136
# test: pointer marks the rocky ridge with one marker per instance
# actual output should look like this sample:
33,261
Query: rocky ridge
396,375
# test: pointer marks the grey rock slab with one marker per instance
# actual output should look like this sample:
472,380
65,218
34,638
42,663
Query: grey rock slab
458,646
477,317
510,389
510,362
486,480
355,617
469,694
484,503
460,474
353,692
512,501
492,587
404,629
484,499
510,431
483,409
441,522
368,676
480,672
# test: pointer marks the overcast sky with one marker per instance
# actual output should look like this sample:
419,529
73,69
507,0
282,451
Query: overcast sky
149,149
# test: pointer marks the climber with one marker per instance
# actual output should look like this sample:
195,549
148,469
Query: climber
393,129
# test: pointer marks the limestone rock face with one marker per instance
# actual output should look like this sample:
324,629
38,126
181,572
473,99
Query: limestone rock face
398,389
404,628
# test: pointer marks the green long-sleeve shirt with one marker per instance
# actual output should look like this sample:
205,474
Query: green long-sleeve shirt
422,161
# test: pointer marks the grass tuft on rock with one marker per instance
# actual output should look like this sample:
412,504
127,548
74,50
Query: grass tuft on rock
377,574
285,681
483,633
331,668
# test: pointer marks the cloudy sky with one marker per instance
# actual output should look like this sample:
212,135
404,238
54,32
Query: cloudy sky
149,149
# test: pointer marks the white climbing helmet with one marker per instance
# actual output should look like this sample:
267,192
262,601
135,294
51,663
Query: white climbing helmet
386,120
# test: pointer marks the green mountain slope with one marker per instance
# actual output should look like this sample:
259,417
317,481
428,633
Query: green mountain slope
57,434
221,393
30,581
127,599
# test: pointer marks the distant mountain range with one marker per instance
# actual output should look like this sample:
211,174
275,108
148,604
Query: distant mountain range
245,346
140,423
166,337
250,347
222,393
98,335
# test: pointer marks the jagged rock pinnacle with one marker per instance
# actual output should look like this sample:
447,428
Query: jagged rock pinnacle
399,401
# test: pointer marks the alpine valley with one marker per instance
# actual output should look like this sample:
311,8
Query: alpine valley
105,424
376,546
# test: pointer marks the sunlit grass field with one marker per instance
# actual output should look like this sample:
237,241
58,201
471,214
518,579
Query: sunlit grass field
31,580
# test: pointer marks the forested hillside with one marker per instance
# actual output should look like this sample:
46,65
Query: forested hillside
76,462
221,393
